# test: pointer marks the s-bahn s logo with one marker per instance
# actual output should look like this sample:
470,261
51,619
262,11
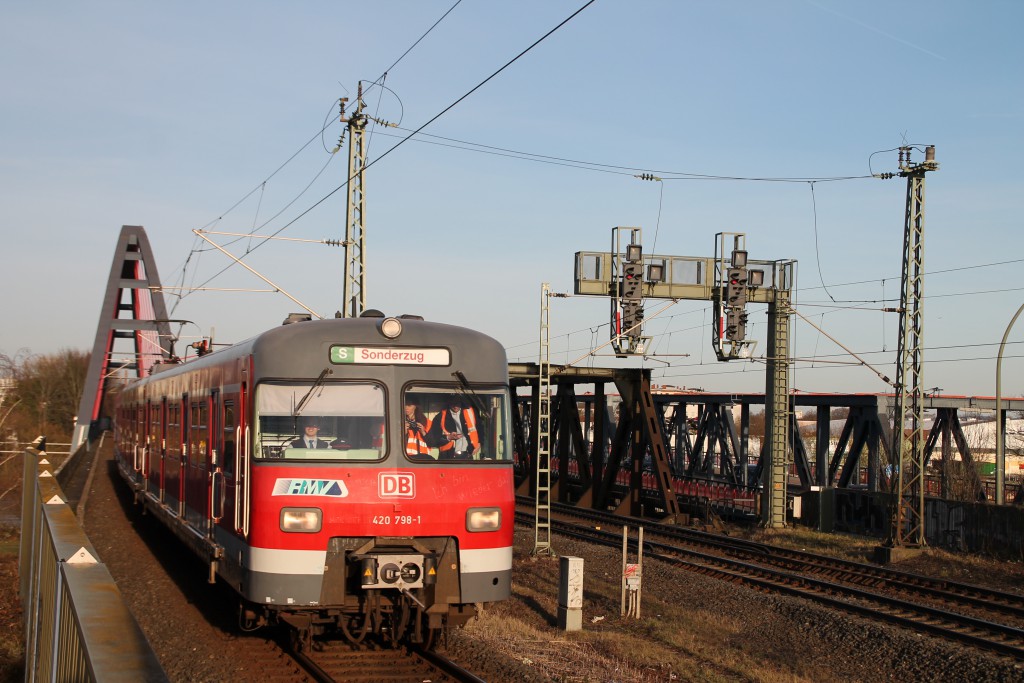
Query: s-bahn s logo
332,488
396,485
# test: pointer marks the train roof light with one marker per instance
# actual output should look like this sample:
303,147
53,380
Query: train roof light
391,327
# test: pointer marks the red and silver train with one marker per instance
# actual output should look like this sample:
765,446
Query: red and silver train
376,525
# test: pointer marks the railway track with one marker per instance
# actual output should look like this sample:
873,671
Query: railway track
983,618
337,661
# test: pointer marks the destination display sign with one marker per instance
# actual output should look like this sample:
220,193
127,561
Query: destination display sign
385,355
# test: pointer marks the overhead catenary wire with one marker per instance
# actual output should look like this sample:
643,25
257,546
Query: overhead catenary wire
687,369
274,234
817,249
328,121
434,118
592,331
670,175
803,304
418,41
196,246
454,143
835,341
693,176
593,351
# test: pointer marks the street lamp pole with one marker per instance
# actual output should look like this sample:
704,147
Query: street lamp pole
1000,422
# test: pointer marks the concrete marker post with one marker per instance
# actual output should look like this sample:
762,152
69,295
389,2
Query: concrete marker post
570,593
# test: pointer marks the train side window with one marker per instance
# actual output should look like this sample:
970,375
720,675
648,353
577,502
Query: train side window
197,443
347,418
140,425
229,425
155,428
174,429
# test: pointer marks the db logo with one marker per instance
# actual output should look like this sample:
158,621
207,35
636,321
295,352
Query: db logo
396,485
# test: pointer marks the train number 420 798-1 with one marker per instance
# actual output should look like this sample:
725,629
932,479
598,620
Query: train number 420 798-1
396,519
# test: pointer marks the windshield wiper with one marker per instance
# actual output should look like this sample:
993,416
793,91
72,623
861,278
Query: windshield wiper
469,393
309,394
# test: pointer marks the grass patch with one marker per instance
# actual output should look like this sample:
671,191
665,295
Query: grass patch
846,546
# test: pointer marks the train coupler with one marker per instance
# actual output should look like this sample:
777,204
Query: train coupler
400,571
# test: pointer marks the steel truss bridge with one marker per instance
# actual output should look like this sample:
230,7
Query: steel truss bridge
661,445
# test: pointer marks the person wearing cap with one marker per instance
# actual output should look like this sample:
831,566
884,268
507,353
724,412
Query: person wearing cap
453,431
309,438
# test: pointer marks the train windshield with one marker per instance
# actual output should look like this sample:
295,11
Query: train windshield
320,421
470,424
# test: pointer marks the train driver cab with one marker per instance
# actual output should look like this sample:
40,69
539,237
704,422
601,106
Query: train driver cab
337,421
457,424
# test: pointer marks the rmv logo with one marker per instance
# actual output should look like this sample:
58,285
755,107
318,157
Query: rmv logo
310,487
396,485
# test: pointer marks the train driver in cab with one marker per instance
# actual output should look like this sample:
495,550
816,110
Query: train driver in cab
453,431
310,435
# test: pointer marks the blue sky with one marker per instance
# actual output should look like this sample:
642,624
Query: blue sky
167,115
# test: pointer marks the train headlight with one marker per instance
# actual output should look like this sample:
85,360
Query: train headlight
391,327
483,519
305,520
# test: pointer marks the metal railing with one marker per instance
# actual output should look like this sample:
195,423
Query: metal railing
77,627
63,449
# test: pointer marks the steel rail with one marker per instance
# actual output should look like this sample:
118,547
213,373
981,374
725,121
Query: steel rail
857,573
1002,639
337,661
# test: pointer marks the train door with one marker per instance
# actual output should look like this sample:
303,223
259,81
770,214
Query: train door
183,461
241,471
223,501
172,461
147,409
139,451
155,450
215,485
198,456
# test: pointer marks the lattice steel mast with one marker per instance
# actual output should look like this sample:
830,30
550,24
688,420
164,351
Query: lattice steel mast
542,510
355,244
777,409
908,435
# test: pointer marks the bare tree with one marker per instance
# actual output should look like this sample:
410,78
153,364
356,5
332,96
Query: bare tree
45,392
757,423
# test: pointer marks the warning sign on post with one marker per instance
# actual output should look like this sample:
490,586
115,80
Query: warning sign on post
632,576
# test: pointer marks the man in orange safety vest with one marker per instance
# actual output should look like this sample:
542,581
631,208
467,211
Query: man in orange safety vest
453,431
